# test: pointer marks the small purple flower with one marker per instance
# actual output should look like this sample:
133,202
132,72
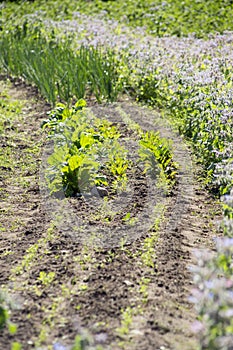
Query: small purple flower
59,346
197,327
101,337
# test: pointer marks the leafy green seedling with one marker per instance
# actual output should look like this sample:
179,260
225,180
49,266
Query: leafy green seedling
46,278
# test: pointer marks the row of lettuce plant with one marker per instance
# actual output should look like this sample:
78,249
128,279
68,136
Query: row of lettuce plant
86,152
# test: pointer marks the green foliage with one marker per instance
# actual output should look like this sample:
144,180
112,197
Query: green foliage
59,71
127,319
213,296
198,117
63,73
156,151
158,17
46,278
84,149
16,346
8,110
117,165
3,317
5,309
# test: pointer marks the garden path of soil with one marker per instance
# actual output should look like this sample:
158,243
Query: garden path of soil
90,287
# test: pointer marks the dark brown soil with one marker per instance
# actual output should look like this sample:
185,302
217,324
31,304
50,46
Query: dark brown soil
94,286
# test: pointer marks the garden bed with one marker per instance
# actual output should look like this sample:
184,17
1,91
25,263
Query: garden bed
127,295
104,201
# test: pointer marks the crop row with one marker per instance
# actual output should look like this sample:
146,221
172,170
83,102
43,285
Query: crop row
86,152
56,70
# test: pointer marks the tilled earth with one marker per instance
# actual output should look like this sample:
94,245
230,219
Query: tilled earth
130,294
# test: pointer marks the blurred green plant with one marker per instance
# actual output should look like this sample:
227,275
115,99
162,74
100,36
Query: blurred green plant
6,306
160,18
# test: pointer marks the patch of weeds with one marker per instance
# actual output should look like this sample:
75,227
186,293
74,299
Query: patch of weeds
84,342
110,257
7,252
9,110
14,160
43,335
83,286
85,258
46,278
16,346
129,219
52,313
104,213
7,159
27,260
148,252
126,322
144,286
32,253
51,319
